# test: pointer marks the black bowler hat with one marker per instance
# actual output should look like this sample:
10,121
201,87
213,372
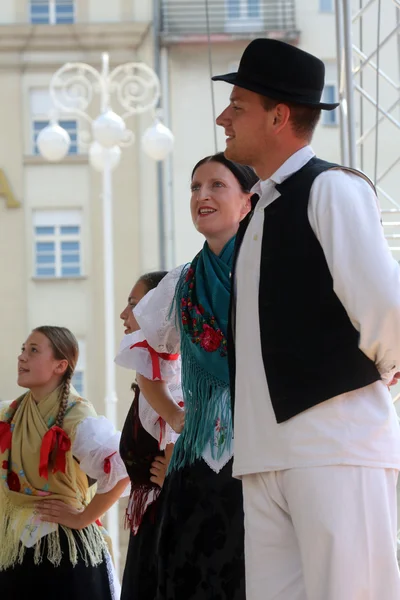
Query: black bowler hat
282,72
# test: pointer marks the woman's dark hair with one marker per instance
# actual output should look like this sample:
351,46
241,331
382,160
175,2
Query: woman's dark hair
245,175
151,280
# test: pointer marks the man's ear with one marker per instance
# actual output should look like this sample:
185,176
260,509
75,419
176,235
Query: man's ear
281,117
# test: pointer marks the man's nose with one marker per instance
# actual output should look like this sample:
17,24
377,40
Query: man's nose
223,118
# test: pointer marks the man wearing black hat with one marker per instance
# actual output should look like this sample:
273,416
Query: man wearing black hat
315,345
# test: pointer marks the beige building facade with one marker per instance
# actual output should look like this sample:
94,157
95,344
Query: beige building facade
51,241
52,225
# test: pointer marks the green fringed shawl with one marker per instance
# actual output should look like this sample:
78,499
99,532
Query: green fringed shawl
202,304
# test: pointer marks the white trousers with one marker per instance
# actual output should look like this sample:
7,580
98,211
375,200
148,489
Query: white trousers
324,533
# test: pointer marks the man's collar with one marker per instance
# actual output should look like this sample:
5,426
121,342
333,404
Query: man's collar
293,164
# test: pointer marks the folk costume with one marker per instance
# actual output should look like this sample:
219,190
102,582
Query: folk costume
201,534
144,437
40,460
315,340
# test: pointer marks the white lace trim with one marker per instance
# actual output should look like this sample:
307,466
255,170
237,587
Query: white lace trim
218,464
96,440
214,464
115,586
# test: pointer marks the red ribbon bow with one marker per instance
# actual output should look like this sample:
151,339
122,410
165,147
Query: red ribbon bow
155,357
55,435
107,463
5,436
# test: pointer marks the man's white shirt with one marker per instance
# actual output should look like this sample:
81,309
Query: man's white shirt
357,428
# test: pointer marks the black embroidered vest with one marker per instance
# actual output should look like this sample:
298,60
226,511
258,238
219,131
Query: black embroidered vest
309,345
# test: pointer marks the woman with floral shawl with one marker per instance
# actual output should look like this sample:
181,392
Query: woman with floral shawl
201,539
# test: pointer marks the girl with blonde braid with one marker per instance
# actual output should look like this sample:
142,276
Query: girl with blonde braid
53,447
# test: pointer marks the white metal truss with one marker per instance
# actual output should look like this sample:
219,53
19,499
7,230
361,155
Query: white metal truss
368,58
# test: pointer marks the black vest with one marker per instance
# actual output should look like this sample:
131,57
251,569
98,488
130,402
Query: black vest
309,345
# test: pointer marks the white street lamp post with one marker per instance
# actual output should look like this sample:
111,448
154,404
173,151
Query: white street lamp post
137,89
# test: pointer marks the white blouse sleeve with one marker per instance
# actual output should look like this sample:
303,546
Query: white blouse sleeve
155,425
136,353
96,446
156,315
345,218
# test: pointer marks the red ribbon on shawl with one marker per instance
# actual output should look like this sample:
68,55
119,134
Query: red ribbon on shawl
5,436
155,356
54,436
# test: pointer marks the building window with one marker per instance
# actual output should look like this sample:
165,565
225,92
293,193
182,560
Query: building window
70,125
330,117
78,379
243,9
326,6
233,9
41,107
52,12
57,244
253,9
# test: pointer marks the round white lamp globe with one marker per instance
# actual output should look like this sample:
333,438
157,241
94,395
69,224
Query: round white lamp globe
53,142
100,157
108,129
158,141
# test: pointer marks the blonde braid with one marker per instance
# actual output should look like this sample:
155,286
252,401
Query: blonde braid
61,414
64,400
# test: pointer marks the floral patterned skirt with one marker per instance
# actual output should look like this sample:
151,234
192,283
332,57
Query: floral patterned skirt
64,582
201,535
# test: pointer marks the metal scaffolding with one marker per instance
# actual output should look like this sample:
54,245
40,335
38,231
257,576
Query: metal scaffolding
368,62
368,57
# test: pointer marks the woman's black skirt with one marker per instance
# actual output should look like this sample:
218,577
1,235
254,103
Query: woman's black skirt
201,536
140,574
47,582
